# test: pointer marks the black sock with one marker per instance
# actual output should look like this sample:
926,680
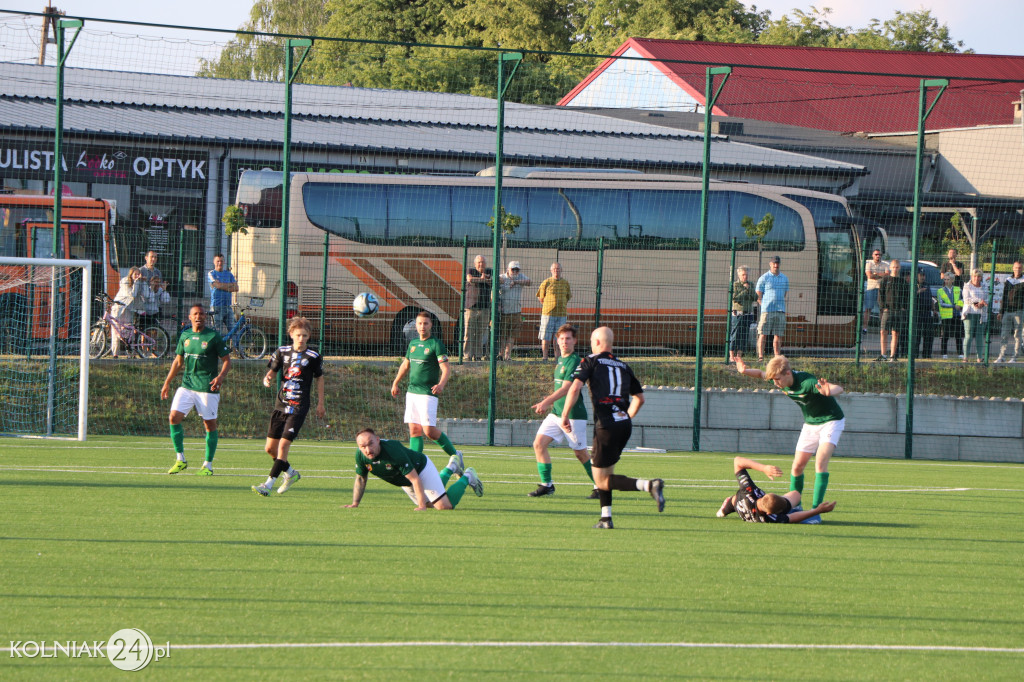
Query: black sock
616,482
604,497
279,466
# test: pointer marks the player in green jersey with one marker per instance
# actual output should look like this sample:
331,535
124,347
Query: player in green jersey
412,471
550,431
823,419
426,363
199,350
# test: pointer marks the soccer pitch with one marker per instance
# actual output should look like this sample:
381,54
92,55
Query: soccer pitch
917,574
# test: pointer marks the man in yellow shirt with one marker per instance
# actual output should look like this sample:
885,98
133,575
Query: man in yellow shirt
554,295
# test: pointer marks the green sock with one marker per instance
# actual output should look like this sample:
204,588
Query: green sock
797,483
545,472
446,474
446,444
178,437
455,492
590,470
211,445
820,486
416,443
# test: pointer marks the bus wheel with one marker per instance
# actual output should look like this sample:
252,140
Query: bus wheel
399,332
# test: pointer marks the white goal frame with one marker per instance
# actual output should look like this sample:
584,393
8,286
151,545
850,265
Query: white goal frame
83,351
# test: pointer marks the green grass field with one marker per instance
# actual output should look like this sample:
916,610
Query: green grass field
917,574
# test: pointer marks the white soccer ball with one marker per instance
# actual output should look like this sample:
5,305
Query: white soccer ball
365,305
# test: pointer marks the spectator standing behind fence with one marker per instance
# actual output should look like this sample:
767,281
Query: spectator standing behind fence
875,270
950,305
478,303
127,301
924,317
893,299
975,315
954,267
1012,312
771,289
222,285
744,298
554,295
154,294
511,284
150,270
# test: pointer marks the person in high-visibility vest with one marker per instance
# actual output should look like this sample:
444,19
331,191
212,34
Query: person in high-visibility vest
950,305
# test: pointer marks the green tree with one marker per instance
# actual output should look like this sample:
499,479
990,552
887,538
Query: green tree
917,31
758,231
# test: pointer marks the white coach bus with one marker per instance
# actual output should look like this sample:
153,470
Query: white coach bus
401,237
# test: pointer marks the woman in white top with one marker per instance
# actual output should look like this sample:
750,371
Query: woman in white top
128,299
974,315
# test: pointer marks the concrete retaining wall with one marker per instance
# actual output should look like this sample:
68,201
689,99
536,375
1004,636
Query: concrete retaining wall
766,421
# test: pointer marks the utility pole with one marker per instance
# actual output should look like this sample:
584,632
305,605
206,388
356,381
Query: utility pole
49,32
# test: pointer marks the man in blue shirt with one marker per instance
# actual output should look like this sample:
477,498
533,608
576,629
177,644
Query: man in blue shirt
771,289
222,285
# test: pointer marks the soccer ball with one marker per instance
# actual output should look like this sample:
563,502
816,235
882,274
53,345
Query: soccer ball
365,305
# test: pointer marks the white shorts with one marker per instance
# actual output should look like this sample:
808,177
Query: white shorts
433,488
551,427
206,404
421,409
812,434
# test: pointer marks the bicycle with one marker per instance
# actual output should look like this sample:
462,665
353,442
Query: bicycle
150,342
245,339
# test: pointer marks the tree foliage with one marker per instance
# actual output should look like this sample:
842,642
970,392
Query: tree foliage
399,29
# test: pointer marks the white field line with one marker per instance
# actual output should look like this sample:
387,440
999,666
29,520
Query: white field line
650,645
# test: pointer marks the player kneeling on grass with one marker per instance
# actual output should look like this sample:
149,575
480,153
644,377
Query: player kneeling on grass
550,430
756,506
198,352
300,365
412,471
823,419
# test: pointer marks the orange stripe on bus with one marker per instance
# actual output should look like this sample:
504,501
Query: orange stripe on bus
383,295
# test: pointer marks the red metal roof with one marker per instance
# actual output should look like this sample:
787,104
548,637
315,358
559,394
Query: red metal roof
867,97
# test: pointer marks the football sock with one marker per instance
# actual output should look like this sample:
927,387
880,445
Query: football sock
589,468
178,438
617,482
269,483
279,466
605,498
643,485
545,472
416,443
797,483
445,444
290,470
820,486
446,475
211,445
456,491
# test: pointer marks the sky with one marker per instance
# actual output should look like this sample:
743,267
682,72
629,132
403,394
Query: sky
986,26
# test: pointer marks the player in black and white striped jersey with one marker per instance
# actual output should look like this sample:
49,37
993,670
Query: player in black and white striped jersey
302,366
617,397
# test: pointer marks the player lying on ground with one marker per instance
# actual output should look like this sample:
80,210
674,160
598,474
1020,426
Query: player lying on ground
301,366
823,419
426,362
617,397
412,471
199,349
756,506
550,431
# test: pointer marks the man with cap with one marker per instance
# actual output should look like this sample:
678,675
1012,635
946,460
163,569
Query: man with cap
771,289
510,287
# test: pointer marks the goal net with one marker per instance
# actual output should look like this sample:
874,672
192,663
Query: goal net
44,347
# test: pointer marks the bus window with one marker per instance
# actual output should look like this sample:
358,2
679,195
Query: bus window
787,230
673,217
577,215
837,273
472,208
358,212
419,214
822,210
42,243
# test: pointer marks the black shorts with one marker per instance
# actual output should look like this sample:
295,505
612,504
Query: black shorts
609,442
284,425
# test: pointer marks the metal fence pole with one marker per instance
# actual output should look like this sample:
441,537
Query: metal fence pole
991,295
728,303
709,103
460,330
922,116
858,314
600,280
323,295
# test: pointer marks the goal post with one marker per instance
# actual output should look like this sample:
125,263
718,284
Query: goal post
45,316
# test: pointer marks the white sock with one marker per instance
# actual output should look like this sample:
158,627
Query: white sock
208,465
181,456
606,512
291,470
269,483
643,484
